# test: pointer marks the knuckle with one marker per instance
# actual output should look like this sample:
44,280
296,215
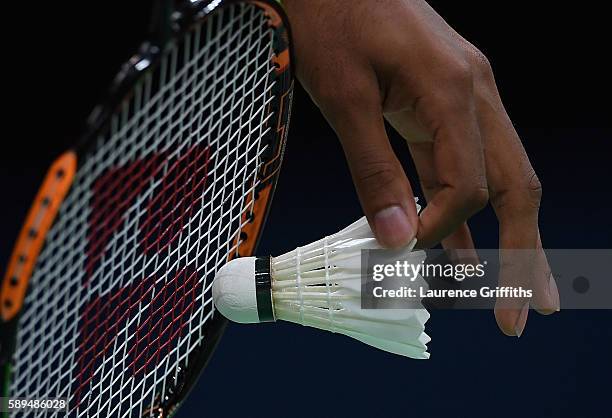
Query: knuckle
458,75
528,194
534,190
522,198
375,176
455,91
476,198
470,197
481,64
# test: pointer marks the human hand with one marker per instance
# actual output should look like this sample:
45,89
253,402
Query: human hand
363,61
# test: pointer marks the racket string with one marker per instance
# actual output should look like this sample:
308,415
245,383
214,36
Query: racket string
114,357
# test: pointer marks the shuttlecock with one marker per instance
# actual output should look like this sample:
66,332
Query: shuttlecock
319,285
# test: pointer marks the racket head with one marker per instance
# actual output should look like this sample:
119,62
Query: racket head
106,300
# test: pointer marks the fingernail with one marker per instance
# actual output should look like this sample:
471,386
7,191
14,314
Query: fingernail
521,321
554,293
392,227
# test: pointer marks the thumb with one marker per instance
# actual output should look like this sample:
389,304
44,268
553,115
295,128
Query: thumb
383,188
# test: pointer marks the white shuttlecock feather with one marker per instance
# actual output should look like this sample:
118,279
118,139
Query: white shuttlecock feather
319,285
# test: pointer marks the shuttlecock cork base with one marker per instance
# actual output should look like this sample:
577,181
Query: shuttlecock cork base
319,285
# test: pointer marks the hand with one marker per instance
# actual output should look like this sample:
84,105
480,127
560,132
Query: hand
364,61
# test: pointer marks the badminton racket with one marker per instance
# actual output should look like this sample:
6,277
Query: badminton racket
106,302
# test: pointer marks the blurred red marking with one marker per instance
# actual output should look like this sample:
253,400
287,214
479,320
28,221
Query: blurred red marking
162,303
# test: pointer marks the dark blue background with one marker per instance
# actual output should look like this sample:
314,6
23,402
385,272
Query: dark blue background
549,63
